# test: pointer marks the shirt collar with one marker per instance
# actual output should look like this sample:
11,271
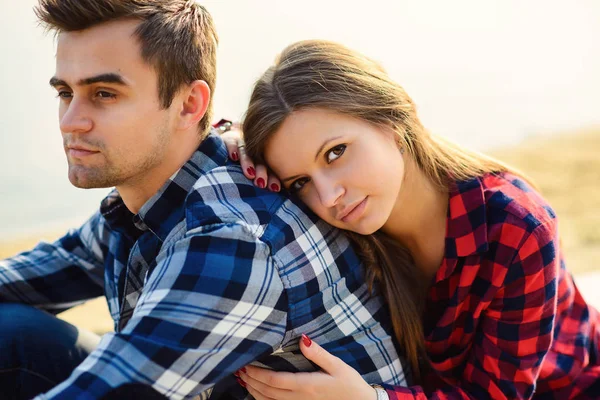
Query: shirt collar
165,209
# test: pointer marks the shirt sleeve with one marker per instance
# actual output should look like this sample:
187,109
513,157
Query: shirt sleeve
214,303
57,276
516,332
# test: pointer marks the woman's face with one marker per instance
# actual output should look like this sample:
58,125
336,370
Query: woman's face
349,172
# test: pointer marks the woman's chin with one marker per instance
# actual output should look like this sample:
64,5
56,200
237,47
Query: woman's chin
361,228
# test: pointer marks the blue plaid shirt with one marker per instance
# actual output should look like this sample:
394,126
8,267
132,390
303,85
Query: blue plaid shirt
211,275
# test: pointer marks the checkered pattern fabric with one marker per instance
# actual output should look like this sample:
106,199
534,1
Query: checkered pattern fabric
212,274
504,318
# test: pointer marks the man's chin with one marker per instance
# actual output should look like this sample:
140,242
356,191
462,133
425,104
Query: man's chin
82,181
84,185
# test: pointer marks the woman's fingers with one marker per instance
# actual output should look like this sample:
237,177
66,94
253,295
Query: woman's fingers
237,152
328,363
285,385
256,395
246,162
236,149
262,390
275,379
337,380
261,176
265,179
232,140
273,183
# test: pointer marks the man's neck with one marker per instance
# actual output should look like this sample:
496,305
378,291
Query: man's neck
137,192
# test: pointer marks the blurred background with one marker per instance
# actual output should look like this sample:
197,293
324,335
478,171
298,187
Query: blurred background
518,80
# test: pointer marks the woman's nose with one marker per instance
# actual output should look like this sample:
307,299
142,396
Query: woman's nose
330,192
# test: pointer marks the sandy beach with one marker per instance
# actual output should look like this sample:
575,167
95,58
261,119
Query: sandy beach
566,168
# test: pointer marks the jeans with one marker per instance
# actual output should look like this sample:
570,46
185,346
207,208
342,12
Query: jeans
37,350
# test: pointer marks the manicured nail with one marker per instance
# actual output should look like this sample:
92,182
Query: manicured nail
251,171
243,369
306,340
260,182
241,382
236,374
234,156
275,187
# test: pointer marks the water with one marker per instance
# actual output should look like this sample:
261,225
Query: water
484,74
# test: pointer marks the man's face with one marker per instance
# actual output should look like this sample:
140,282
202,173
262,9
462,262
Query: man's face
114,130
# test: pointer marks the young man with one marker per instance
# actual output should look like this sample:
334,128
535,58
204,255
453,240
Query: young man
203,273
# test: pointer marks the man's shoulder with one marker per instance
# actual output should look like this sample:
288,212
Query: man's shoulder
225,195
302,245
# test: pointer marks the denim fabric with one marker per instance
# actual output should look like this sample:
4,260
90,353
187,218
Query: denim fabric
37,350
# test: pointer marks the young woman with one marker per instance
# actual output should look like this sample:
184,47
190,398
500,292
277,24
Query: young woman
463,248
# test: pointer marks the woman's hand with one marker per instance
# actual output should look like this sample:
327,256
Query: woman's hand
336,381
236,149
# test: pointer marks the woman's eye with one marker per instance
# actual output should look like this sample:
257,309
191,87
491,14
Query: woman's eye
335,153
298,184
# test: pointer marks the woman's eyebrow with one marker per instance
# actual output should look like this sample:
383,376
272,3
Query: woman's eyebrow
316,157
325,144
289,178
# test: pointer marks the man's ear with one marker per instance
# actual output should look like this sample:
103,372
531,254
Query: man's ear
194,103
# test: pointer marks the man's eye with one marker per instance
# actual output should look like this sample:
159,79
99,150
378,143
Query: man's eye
335,153
63,94
105,95
298,184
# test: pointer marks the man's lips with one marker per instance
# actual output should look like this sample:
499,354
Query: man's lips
352,210
79,151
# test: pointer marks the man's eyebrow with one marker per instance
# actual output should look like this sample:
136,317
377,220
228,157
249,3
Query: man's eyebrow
102,78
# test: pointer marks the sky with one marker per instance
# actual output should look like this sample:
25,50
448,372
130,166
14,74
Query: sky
482,73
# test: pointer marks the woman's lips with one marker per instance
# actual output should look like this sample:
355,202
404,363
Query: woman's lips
355,212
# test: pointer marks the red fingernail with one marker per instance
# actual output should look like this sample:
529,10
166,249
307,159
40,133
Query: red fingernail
261,183
306,340
243,369
236,374
275,187
241,382
251,171
234,156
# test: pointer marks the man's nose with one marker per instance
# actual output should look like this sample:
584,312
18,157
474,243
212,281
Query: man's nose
75,119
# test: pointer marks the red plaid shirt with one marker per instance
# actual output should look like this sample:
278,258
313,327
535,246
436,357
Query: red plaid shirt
504,318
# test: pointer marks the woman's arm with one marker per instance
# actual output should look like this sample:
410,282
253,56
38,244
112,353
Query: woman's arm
505,358
337,380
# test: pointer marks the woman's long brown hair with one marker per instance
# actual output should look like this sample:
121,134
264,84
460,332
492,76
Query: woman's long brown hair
327,75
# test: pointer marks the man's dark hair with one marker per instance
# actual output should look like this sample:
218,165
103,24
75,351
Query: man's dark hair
177,37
